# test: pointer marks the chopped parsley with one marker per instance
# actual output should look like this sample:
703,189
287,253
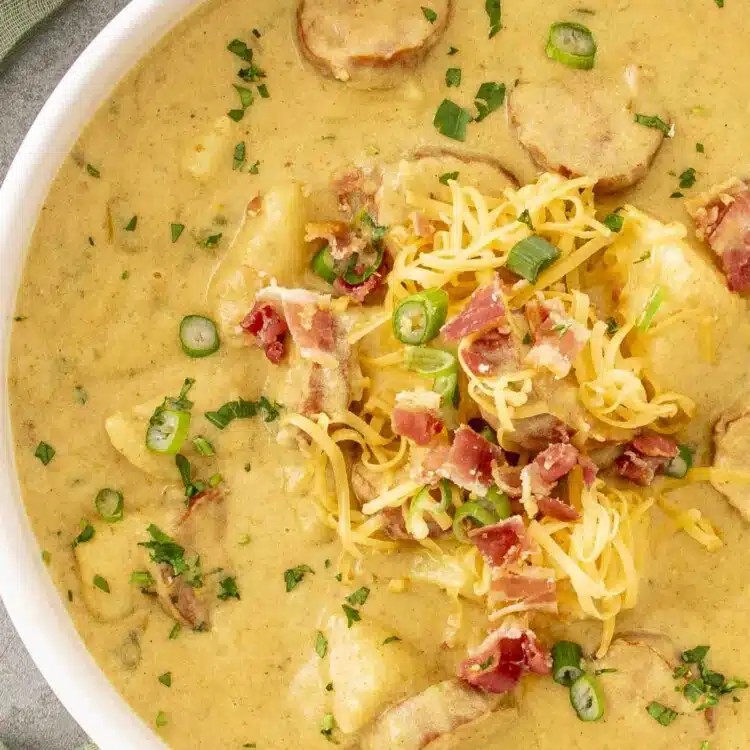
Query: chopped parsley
719,3
125,275
132,224
161,719
166,679
238,160
708,686
246,96
236,114
646,255
611,326
176,231
244,540
429,14
142,578
229,589
494,13
192,488
359,597
239,48
44,452
203,446
242,409
263,91
687,178
654,121
165,550
211,241
661,713
86,535
451,120
604,671
613,222
93,171
293,576
253,169
677,194
488,98
327,725
175,631
452,50
352,615
391,639
527,340
321,645
256,33
562,328
453,77
700,148
46,557
80,394
329,687
525,218
446,177
101,583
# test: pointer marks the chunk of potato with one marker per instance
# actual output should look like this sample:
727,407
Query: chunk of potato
269,245
113,553
209,150
367,674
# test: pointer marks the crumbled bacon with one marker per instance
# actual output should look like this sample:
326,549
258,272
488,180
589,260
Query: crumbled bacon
737,268
508,653
589,468
657,446
418,424
358,292
558,340
427,467
490,354
355,191
645,457
507,478
485,310
504,542
342,240
526,588
556,461
556,508
269,328
469,461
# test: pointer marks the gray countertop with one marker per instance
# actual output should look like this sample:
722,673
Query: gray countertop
31,718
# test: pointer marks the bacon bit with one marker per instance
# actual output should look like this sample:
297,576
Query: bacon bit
354,192
508,653
558,340
181,602
504,542
428,469
484,310
254,207
507,478
530,587
652,444
199,499
590,470
269,329
418,424
342,240
555,462
423,227
737,269
490,354
469,461
358,292
556,508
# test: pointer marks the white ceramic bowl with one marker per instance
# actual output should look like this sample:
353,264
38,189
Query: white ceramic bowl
27,592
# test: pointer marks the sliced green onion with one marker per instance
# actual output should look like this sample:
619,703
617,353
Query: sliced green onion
566,662
109,504
354,277
681,464
167,431
424,503
650,309
614,222
203,446
475,512
198,336
324,265
430,362
571,44
499,503
587,698
419,318
530,256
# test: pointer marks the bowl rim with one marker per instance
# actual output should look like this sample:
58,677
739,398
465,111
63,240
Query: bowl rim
33,604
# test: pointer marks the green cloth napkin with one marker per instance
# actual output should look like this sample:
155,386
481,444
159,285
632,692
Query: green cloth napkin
18,17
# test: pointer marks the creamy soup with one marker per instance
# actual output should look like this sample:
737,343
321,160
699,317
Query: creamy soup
285,510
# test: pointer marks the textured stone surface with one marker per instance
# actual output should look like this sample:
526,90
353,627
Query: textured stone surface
31,718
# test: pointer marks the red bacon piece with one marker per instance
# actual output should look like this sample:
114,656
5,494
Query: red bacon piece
469,461
508,653
485,310
508,479
504,542
342,240
657,446
419,425
590,470
557,343
555,462
646,456
269,328
556,508
737,269
490,354
531,587
358,292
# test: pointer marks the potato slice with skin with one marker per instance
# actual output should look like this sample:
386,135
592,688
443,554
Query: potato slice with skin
113,553
367,673
732,451
270,245
585,125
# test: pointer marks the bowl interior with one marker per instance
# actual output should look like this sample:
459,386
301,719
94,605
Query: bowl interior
32,602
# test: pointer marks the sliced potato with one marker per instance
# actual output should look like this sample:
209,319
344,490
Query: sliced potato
368,674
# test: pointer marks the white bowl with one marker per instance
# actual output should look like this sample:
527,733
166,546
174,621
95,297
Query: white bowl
27,592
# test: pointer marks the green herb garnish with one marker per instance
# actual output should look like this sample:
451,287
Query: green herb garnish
687,178
176,230
229,589
242,409
321,645
132,224
654,121
101,583
661,713
494,13
44,452
293,576
488,98
453,77
86,535
166,679
445,178
429,14
352,615
359,597
451,120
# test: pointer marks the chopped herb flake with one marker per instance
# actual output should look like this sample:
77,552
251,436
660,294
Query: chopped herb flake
253,169
451,120
239,48
236,114
352,615
238,160
321,645
664,715
700,148
203,446
229,589
719,3
242,409
101,583
654,121
359,597
327,725
446,177
525,218
527,340
86,535
293,576
677,194
488,98
645,256
429,14
161,719
46,557
613,222
452,50
263,91
211,241
246,96
391,639
142,578
166,679
611,326
81,396
494,13
453,77
44,452
93,171
132,224
687,178
176,230
175,631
